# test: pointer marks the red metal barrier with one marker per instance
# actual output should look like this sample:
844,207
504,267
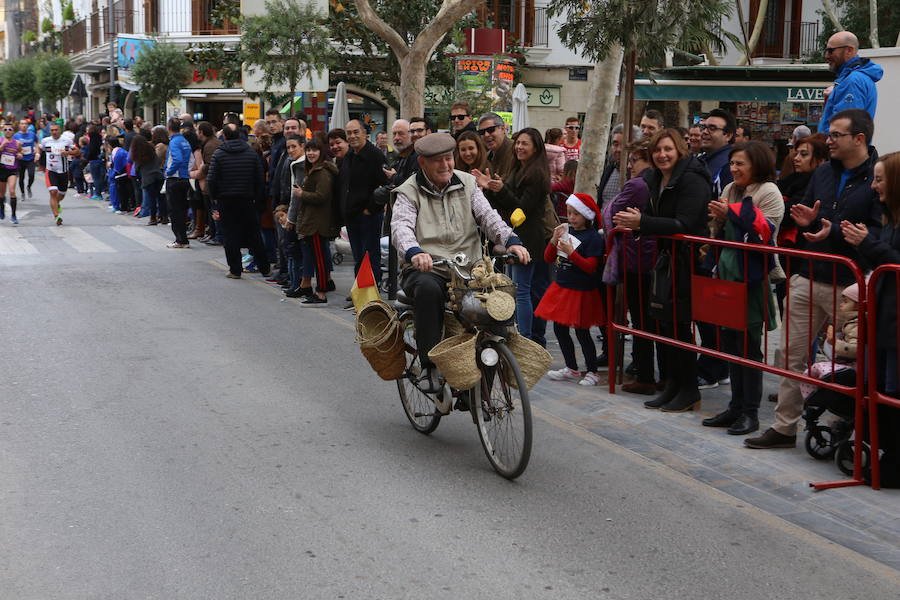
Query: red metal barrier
876,397
714,291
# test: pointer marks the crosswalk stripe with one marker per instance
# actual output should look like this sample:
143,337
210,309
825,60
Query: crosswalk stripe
79,239
141,236
12,242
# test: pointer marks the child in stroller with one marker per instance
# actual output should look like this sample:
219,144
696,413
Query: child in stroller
833,441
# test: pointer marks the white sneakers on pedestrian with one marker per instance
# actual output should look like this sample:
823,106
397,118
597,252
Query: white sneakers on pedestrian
590,378
564,374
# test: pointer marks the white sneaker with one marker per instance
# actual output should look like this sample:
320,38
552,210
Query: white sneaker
564,374
590,378
725,381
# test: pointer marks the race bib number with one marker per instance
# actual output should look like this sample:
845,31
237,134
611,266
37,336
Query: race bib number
26,150
53,160
7,160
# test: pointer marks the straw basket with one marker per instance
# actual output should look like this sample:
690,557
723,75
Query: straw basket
380,338
455,357
452,326
533,359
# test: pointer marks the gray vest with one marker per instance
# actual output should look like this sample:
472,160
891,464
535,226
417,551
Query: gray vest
445,223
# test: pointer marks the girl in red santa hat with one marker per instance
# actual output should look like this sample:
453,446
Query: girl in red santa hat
573,300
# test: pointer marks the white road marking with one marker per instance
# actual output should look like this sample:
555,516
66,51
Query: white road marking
79,239
143,237
12,242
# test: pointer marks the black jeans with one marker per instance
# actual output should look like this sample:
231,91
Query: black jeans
637,291
680,365
746,382
429,293
177,196
240,225
364,232
568,348
27,166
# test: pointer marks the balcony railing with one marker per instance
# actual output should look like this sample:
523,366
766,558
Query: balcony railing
787,39
540,33
75,38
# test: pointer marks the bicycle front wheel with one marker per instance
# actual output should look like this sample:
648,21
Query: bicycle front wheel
503,414
419,408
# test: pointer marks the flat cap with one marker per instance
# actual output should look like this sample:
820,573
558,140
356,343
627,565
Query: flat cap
801,131
434,144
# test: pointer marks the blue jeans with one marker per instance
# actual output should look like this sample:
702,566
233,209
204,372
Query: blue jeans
152,206
364,232
98,173
531,282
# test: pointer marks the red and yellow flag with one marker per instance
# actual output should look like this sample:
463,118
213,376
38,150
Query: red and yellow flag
364,289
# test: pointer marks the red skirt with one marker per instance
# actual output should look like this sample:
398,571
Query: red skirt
580,309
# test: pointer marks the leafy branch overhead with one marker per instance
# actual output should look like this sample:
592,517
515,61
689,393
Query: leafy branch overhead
160,71
648,26
288,44
53,77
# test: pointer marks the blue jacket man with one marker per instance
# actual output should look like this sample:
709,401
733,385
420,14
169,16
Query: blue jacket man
177,171
178,157
854,86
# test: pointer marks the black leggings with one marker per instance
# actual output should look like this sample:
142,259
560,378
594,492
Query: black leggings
568,348
26,166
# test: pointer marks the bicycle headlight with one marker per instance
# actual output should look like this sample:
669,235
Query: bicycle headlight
489,357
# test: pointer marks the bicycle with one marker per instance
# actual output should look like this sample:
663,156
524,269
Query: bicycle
498,403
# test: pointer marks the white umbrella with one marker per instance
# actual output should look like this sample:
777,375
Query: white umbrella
519,108
340,112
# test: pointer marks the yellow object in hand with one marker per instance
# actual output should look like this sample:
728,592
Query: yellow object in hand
517,217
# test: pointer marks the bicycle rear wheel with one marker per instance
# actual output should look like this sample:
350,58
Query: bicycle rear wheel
419,408
503,414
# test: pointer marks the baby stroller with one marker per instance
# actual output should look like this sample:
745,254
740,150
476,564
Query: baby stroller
832,441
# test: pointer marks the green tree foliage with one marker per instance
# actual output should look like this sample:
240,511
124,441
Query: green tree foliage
215,57
18,81
370,64
161,71
52,78
648,26
288,44
854,16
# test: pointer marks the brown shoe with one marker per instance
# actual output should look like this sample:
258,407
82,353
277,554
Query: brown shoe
771,439
645,389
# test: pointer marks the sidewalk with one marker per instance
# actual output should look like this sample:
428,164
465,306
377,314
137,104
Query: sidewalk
776,481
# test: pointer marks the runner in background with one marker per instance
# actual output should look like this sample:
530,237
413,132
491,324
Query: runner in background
10,152
29,140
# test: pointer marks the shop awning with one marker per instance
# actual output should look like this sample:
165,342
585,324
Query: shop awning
764,83
729,91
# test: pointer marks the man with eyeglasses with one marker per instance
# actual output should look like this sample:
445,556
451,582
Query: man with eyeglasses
839,192
716,132
492,130
461,118
854,86
419,127
571,142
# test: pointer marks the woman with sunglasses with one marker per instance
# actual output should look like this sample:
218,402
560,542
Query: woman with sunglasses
10,153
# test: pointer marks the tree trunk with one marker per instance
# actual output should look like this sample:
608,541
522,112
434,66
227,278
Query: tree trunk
757,30
596,122
416,56
832,16
873,23
412,87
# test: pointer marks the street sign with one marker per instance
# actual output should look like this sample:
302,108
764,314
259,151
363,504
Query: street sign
543,95
251,113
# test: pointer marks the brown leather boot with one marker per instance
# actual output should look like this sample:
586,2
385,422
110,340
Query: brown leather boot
200,225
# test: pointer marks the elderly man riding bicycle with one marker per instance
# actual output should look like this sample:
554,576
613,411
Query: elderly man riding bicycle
438,212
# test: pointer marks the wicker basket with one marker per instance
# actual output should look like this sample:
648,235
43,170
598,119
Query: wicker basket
533,359
380,339
388,359
376,321
452,326
455,357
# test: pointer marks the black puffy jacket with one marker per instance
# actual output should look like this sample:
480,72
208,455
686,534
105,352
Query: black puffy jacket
880,250
236,174
857,203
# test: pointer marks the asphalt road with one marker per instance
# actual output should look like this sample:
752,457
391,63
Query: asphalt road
168,433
